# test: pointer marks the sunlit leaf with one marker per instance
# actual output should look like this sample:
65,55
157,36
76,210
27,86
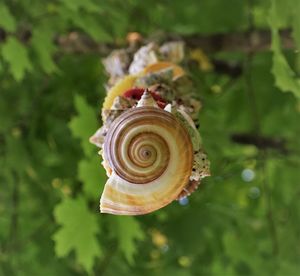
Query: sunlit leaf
42,42
7,20
72,215
93,176
16,55
285,77
83,125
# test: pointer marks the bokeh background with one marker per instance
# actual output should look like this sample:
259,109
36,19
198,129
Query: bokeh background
243,220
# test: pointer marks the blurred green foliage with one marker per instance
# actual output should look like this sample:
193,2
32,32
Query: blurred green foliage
244,220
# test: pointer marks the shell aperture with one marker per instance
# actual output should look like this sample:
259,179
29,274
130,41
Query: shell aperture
151,148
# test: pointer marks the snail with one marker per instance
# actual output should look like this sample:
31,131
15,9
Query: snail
151,149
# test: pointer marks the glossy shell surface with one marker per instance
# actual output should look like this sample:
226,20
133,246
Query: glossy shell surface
151,156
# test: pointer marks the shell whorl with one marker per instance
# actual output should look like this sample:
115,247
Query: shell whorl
137,147
146,100
151,153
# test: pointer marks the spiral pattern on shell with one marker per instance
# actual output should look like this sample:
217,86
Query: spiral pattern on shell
151,153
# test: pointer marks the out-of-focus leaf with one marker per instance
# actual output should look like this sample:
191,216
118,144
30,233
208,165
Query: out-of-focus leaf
127,231
7,20
93,28
16,55
285,77
78,231
279,174
89,23
75,5
296,22
42,42
93,176
84,124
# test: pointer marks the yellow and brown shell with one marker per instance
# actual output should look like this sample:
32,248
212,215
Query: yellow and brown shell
151,149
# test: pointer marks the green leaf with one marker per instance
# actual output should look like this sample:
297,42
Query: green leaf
93,28
84,124
7,21
16,55
296,23
75,5
18,153
127,230
285,77
89,23
93,176
78,231
42,42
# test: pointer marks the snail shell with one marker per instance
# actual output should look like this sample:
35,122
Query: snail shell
151,156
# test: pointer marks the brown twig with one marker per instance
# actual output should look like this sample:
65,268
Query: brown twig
261,142
249,41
